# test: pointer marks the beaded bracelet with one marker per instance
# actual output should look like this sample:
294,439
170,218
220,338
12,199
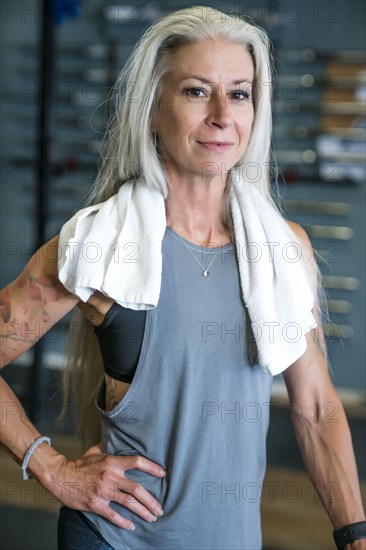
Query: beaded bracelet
349,533
29,453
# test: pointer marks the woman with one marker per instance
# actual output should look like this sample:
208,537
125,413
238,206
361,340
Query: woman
181,461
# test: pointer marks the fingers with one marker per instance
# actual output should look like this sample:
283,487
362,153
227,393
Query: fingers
138,492
131,495
98,479
104,510
136,498
138,508
127,493
143,464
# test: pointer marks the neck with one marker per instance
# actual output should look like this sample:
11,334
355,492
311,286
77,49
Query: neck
194,211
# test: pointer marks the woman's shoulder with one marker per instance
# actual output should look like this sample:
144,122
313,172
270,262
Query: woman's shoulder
300,232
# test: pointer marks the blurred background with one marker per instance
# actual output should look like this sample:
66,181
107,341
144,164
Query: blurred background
59,61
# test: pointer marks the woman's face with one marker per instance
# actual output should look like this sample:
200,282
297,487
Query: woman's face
205,111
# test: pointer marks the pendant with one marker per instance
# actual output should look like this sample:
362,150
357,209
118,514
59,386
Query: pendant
205,273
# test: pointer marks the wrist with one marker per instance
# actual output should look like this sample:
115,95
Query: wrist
351,536
44,463
359,544
28,455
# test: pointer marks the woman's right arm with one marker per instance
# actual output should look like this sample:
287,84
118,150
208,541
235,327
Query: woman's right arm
30,306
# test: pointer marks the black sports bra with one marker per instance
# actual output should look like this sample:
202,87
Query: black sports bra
120,339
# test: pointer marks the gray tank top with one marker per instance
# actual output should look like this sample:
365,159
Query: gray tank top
196,407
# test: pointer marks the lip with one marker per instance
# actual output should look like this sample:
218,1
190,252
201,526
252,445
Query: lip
216,145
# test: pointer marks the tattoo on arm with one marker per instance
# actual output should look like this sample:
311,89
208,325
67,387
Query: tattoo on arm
39,291
111,398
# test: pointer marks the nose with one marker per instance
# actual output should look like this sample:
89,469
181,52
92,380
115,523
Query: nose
219,113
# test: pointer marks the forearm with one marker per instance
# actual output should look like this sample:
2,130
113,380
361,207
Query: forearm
328,454
18,433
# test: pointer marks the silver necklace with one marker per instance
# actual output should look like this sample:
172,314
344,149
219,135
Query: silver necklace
205,271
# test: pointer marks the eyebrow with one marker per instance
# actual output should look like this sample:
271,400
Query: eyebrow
207,81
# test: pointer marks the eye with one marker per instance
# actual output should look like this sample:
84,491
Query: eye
240,95
195,92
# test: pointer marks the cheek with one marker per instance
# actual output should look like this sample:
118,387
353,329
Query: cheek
185,119
247,126
180,128
245,130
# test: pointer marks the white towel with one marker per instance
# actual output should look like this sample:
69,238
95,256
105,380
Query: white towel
115,247
273,279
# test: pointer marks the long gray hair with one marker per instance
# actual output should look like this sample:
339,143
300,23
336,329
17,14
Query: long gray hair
130,145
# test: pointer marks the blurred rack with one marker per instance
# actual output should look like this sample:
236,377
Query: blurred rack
319,133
